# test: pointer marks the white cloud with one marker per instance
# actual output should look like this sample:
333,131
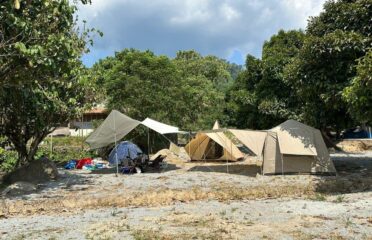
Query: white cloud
229,12
217,27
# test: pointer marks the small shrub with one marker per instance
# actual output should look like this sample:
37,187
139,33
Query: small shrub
8,160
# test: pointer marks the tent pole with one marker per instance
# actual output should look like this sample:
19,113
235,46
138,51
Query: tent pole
148,141
116,150
190,144
227,161
281,155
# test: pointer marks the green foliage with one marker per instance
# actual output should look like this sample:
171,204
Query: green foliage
346,15
30,112
8,160
260,98
241,98
64,149
310,77
359,94
37,40
40,70
217,70
325,67
141,84
326,77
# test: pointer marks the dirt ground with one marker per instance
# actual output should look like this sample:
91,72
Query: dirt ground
197,201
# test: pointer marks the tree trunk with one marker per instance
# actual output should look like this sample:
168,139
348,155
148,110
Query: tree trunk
26,155
34,146
21,149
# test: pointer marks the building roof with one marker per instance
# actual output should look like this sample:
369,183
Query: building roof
97,110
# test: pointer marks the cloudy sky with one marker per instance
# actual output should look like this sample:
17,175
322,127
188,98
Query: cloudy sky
227,28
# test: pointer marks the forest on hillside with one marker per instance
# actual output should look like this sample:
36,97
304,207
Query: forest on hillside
320,76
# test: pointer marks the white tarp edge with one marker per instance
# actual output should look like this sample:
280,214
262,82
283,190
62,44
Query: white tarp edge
159,127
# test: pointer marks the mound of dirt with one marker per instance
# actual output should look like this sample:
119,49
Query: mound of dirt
171,157
355,145
37,171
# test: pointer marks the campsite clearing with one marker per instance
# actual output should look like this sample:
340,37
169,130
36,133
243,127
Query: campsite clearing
198,200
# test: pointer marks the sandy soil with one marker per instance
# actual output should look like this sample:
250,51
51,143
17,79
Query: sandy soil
197,201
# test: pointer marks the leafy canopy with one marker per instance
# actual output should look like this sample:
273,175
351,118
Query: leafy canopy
40,68
141,84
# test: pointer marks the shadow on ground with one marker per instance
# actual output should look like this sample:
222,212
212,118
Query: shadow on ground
168,167
238,169
65,180
354,174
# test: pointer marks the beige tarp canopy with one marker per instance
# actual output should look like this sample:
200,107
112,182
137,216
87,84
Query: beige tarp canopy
213,146
254,140
114,128
291,147
118,125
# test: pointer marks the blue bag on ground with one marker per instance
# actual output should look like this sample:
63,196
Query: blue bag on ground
71,164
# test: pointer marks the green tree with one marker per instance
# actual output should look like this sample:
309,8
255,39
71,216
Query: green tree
40,71
217,70
359,94
242,103
260,97
141,84
276,99
37,38
326,64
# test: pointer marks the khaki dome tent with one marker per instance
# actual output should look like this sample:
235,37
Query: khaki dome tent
213,146
291,147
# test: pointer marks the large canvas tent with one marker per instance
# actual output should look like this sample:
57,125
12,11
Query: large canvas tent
291,147
213,146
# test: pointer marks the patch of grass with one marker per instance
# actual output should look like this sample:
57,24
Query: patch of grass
161,197
148,235
318,197
301,235
336,236
19,237
249,223
234,209
223,213
340,199
106,230
348,222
